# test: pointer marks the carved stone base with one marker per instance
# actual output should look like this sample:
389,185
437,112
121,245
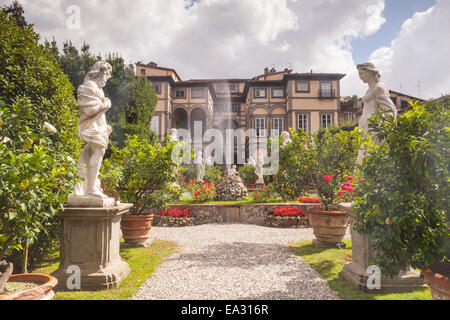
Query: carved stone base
90,202
404,282
90,241
355,272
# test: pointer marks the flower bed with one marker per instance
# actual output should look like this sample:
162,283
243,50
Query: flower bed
308,200
287,217
173,218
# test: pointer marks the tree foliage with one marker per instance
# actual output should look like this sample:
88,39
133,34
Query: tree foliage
147,173
404,193
37,171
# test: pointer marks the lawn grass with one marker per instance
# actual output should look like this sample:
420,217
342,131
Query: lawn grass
142,262
329,262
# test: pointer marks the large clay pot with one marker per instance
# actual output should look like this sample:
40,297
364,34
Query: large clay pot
329,227
136,228
43,292
438,283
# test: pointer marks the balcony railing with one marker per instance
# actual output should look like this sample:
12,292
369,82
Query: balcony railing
327,93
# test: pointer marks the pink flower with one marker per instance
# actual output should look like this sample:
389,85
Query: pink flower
340,194
349,178
327,178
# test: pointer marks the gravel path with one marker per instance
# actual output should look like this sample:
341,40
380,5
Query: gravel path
234,261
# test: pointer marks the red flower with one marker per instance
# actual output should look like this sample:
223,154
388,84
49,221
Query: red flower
349,178
196,194
255,191
263,188
327,178
340,194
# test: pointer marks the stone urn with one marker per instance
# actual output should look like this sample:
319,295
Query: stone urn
329,227
136,229
43,291
439,284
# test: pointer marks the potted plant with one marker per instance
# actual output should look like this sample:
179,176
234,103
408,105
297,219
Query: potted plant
334,159
147,179
404,195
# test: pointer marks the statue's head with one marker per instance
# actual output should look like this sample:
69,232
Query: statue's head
367,71
100,73
285,135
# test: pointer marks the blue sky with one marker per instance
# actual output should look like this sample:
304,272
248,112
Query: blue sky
395,13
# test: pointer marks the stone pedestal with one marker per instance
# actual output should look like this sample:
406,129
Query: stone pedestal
90,240
355,272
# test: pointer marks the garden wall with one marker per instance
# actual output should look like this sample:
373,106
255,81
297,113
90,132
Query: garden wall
236,213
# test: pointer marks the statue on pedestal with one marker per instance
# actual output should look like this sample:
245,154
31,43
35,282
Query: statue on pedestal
357,272
94,131
200,166
233,171
259,168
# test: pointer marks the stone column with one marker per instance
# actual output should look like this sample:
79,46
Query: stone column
90,241
355,272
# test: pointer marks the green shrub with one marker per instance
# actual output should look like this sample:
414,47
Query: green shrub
266,194
36,175
148,173
213,174
295,161
247,174
404,195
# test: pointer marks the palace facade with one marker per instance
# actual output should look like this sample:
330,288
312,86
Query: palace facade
269,103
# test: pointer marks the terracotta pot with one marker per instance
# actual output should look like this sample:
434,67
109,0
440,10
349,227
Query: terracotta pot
43,292
439,284
328,226
136,228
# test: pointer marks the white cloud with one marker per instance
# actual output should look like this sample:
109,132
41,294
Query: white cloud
220,38
420,52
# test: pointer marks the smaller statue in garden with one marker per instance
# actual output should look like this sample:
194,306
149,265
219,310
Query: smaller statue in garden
285,138
233,171
259,168
376,98
201,163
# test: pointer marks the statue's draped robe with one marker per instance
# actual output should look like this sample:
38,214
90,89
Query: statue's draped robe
375,99
92,127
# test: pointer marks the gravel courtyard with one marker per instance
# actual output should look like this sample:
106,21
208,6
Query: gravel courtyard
234,261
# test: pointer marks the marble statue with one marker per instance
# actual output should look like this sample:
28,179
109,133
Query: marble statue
376,98
200,166
94,131
251,161
285,138
233,171
259,168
